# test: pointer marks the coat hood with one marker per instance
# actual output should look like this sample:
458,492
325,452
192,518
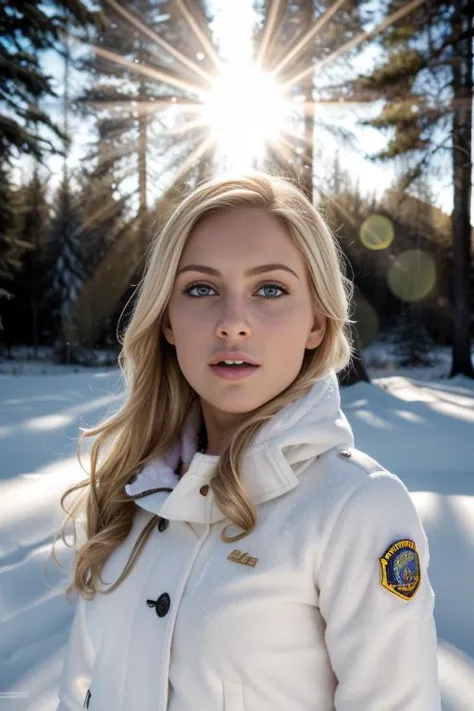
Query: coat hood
282,448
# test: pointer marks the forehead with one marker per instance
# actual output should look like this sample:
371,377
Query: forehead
239,230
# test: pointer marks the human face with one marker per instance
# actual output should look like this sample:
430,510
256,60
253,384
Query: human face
269,316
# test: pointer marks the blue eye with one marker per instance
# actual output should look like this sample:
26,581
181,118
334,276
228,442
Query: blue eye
274,286
201,285
191,287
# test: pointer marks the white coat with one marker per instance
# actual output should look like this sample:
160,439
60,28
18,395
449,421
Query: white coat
303,614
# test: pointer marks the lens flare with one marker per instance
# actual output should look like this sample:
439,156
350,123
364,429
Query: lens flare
377,232
412,275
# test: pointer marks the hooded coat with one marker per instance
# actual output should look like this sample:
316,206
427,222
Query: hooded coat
326,605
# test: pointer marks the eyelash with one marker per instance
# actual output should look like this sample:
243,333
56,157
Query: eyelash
201,283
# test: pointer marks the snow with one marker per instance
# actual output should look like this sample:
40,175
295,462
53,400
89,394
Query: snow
417,423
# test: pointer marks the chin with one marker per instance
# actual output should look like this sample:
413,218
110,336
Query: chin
239,405
232,401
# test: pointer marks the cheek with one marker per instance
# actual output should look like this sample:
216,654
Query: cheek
190,331
180,316
283,318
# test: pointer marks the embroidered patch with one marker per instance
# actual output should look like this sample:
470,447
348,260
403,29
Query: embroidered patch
401,569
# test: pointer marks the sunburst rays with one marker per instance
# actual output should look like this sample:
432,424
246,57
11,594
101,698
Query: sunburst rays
200,93
354,42
136,22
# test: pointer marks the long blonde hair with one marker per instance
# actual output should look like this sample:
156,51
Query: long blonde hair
158,397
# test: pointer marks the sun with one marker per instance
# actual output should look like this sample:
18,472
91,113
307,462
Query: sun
245,111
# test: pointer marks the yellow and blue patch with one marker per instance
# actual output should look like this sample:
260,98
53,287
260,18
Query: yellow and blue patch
401,569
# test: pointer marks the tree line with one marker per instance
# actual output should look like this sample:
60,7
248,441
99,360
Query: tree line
69,260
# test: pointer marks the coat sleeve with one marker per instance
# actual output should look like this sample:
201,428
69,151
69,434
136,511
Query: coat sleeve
382,647
76,672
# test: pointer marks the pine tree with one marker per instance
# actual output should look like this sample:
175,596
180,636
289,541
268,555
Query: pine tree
425,78
26,29
8,244
102,213
67,271
21,312
107,290
414,343
32,225
11,251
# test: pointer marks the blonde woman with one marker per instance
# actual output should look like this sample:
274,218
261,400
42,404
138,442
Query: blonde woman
240,554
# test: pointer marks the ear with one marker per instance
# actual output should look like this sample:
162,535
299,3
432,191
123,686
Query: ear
166,327
317,332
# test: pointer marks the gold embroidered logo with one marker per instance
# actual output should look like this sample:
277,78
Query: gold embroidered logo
243,558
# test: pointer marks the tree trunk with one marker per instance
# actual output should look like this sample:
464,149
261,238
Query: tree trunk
65,330
462,171
142,172
36,252
35,261
308,86
355,371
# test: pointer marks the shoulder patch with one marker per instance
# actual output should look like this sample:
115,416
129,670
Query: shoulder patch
401,569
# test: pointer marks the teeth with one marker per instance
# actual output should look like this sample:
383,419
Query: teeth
232,362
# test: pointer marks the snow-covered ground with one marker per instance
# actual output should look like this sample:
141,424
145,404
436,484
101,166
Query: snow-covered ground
417,423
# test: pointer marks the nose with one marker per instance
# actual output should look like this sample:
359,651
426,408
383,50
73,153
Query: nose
233,321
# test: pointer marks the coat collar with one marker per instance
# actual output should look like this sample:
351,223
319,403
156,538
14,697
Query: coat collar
282,448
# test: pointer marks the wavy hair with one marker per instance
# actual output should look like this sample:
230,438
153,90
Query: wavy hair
158,397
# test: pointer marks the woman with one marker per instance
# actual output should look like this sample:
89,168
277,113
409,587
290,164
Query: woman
251,558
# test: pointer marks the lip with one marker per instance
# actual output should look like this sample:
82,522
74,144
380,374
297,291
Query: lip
232,355
227,373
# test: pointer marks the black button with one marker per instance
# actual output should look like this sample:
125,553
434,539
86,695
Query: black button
163,605
163,524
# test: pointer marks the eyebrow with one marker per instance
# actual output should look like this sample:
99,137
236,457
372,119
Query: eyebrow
250,272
